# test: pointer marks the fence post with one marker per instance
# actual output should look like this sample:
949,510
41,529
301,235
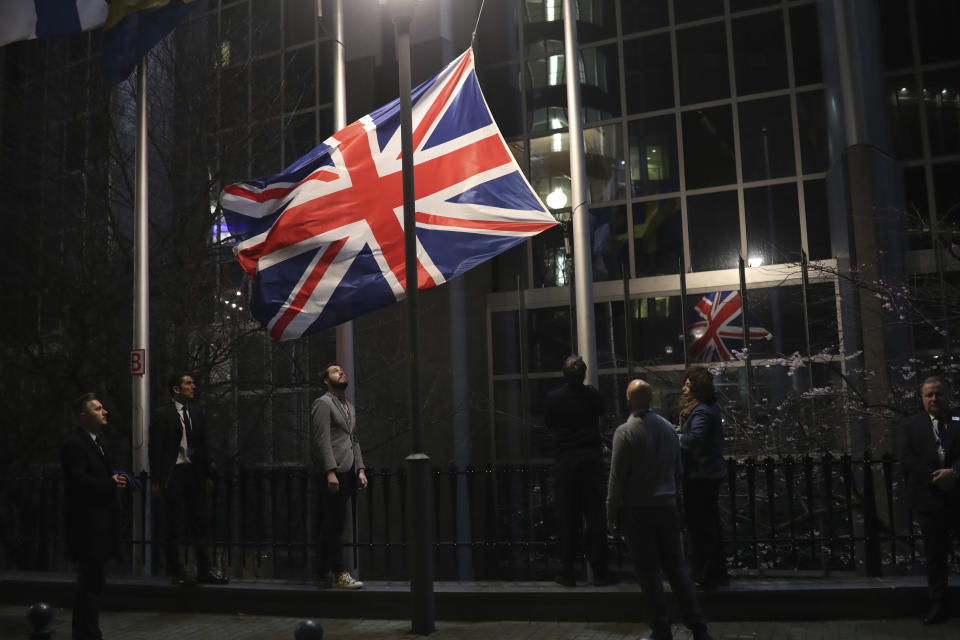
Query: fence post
872,539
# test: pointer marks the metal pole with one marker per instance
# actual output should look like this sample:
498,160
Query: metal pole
141,328
344,332
582,253
419,489
683,309
746,339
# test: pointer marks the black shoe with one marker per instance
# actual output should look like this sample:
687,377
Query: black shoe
213,577
938,614
565,580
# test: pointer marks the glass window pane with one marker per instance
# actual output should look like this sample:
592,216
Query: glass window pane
894,26
608,229
746,5
708,147
648,73
298,20
713,221
657,237
773,224
550,169
903,111
759,54
552,266
300,136
548,334
265,75
937,20
600,77
605,164
702,58
946,184
690,10
498,44
298,80
234,86
918,211
805,39
505,342
656,330
643,16
812,121
766,139
235,25
597,20
501,88
653,156
941,93
266,26
818,220
266,160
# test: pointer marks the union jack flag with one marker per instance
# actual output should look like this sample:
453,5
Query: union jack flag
323,240
719,332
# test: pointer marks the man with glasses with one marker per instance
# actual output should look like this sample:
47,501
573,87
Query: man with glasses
929,447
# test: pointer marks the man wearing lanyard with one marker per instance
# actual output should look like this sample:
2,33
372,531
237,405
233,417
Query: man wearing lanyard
180,469
336,451
929,447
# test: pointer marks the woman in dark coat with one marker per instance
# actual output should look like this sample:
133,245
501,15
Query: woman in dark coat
704,469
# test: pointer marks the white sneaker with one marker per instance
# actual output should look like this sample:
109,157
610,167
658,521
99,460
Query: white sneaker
346,581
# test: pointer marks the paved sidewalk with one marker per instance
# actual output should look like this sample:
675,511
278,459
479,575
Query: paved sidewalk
167,626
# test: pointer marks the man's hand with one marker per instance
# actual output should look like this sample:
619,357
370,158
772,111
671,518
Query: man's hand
944,479
362,476
333,482
121,480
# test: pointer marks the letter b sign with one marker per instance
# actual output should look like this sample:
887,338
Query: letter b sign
138,362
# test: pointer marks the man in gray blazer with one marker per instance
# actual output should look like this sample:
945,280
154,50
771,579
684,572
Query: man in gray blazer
336,450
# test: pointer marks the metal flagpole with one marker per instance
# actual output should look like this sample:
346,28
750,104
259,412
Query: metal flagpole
683,309
746,339
344,331
582,254
419,489
139,362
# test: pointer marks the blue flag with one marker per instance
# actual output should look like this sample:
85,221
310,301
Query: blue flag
133,28
29,19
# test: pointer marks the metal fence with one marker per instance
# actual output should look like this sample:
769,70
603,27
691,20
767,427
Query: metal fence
812,515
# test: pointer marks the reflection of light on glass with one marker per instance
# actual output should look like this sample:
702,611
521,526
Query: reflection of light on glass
560,270
667,349
557,199
655,168
553,71
219,231
697,332
556,142
755,261
552,9
555,123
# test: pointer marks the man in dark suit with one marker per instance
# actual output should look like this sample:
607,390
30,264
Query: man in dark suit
180,469
929,447
572,414
336,451
90,511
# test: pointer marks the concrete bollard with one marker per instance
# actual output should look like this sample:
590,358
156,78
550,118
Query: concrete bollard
39,617
308,630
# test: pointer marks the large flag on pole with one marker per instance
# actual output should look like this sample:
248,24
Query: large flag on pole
29,19
323,240
132,28
719,332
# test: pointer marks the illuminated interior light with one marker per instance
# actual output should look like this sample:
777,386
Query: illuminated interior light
557,199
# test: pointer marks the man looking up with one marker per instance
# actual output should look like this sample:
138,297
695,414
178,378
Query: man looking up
336,450
642,501
572,413
180,469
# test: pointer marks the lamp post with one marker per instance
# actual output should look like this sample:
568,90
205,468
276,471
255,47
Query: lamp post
419,491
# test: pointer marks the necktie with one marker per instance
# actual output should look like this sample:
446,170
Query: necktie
187,425
938,431
96,441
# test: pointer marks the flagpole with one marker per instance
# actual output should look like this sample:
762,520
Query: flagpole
344,331
746,338
582,254
140,364
419,488
683,309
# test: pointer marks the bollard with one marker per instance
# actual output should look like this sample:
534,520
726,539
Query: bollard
39,617
308,630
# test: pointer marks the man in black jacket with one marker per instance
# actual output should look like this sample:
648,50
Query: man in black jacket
929,447
572,414
180,469
90,511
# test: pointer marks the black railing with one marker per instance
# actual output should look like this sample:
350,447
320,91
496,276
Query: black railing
813,515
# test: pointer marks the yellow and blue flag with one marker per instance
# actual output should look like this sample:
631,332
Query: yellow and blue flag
29,19
133,27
